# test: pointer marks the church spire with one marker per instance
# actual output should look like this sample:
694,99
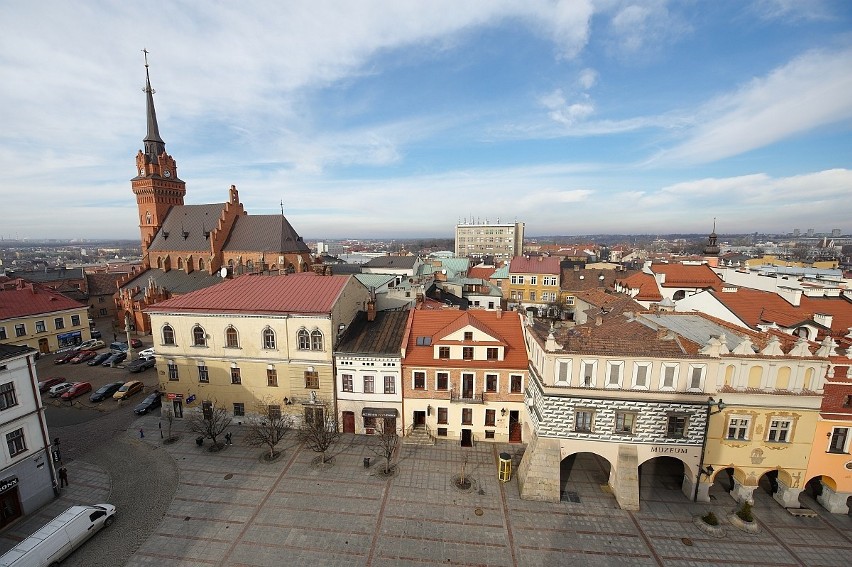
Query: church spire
154,145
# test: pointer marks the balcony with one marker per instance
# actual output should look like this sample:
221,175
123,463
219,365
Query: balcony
466,397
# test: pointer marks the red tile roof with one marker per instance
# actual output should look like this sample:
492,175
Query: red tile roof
534,265
481,273
683,275
19,298
437,324
645,283
294,293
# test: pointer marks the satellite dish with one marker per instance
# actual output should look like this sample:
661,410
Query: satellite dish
223,272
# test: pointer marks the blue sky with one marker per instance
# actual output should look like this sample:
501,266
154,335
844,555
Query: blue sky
400,118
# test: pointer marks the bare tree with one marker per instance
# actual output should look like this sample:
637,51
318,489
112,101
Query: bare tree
169,416
270,426
211,422
387,442
319,430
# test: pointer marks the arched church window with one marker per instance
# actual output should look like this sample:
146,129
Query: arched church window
201,263
148,217
168,335
180,263
199,337
316,340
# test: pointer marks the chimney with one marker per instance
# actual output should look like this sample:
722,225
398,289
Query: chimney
598,321
661,332
499,313
823,319
371,310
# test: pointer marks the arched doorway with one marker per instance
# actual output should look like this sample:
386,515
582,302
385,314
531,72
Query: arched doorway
662,479
584,477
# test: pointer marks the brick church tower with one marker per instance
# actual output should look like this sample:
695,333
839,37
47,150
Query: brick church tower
157,186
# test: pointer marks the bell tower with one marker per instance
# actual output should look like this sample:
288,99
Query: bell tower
157,186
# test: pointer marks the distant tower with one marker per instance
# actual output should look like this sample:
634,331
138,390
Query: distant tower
156,185
711,251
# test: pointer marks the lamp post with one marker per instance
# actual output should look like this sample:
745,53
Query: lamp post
130,352
720,405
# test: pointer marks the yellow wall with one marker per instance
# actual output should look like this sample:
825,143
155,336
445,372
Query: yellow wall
831,465
32,338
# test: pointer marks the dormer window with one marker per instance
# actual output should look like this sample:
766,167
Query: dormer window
468,335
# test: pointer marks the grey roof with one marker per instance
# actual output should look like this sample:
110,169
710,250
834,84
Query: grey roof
262,233
193,220
13,351
176,282
342,269
395,262
373,280
52,275
694,327
383,336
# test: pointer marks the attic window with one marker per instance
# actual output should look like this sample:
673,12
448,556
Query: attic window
424,341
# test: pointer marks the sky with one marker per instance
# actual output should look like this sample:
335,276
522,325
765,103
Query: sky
400,119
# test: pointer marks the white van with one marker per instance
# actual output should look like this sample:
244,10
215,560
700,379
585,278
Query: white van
55,541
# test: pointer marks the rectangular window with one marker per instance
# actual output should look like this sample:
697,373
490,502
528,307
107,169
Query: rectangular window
624,422
442,432
203,376
491,353
271,377
563,372
695,377
419,380
839,436
669,377
589,368
40,327
313,415
442,381
444,352
347,383
641,376
390,385
489,434
491,383
490,417
369,385
676,426
779,430
7,396
3,336
239,409
102,312
532,296
614,374
533,280
173,371
520,279
583,421
738,427
20,330
59,323
516,384
468,335
235,376
16,443
443,416
312,380
467,416
75,320
369,423
274,412
467,353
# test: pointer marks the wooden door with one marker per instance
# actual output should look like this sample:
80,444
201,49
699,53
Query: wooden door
514,427
466,438
43,346
348,422
419,418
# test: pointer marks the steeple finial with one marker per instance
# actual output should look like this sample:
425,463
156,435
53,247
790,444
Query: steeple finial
154,145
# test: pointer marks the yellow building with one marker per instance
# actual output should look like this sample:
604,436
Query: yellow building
41,318
255,340
533,281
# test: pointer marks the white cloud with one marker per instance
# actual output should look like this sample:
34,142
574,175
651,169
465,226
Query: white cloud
810,91
587,78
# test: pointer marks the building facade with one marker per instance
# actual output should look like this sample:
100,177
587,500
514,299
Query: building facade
501,241
534,281
27,475
255,341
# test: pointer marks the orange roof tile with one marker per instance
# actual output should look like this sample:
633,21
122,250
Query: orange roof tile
534,265
481,272
20,298
683,275
645,283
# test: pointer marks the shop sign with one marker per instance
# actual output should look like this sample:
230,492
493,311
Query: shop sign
669,450
173,396
379,412
8,484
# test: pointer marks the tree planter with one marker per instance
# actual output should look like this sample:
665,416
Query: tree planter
747,527
715,531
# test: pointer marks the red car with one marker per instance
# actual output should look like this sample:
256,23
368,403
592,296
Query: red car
45,385
83,356
78,389
64,357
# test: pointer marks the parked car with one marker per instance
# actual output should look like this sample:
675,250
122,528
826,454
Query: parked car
118,346
96,335
147,353
141,364
78,389
153,401
83,356
114,358
136,343
105,391
59,389
64,357
99,358
92,344
128,389
45,385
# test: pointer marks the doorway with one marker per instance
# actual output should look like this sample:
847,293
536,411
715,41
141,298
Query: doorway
466,438
10,506
348,422
514,427
43,346
419,419
467,386
178,407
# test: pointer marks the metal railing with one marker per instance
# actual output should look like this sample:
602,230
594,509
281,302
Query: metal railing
472,398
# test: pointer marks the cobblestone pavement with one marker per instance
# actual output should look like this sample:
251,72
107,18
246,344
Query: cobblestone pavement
182,505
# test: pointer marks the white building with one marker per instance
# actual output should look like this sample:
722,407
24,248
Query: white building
27,475
500,240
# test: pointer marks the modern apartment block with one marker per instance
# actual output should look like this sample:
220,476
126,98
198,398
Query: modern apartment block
503,241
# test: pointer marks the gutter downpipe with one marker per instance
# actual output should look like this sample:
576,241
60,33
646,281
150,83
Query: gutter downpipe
703,450
43,428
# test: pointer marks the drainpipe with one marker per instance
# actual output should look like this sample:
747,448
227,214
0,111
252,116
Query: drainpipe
703,449
42,427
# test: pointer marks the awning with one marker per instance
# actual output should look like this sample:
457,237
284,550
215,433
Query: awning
379,412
